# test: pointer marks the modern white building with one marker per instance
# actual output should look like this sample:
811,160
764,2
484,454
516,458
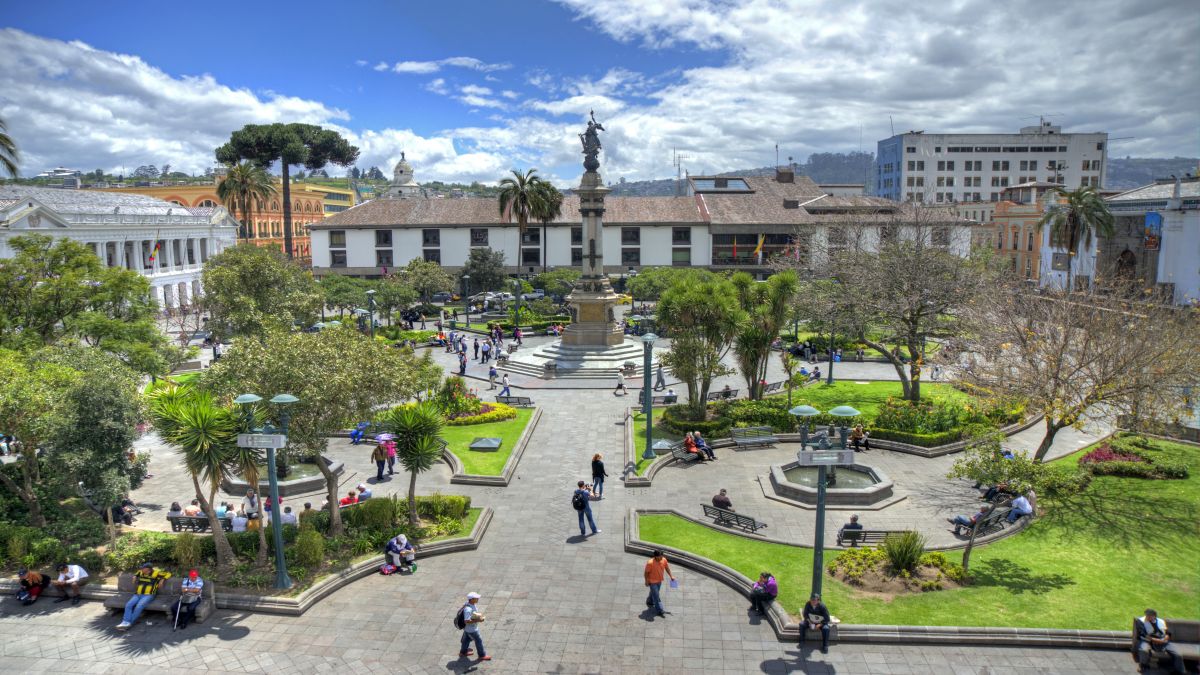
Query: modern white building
954,168
124,230
723,223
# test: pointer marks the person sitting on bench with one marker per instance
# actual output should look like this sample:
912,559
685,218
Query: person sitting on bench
721,501
32,585
1020,507
852,525
189,599
996,490
860,437
689,444
960,521
702,445
1153,634
816,374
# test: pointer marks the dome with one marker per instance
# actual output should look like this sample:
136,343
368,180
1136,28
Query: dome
403,173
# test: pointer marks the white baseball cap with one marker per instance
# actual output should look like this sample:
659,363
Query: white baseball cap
473,596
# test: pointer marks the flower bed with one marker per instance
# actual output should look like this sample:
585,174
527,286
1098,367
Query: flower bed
488,412
1131,456
867,569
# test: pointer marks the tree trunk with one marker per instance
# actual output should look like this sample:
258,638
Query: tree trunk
966,559
914,373
897,363
220,541
287,212
261,558
1052,428
331,488
112,528
412,499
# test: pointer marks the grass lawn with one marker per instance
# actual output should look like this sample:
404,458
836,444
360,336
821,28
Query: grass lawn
866,398
468,524
1094,561
486,463
639,437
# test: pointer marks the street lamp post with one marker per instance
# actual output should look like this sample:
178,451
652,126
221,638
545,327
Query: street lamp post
282,580
648,343
632,275
371,311
466,286
804,411
517,297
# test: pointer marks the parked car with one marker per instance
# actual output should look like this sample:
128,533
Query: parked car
505,297
443,297
536,294
480,297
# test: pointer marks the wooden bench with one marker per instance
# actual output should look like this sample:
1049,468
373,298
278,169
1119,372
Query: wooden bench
196,523
731,519
772,387
657,400
681,453
864,536
752,436
721,395
1185,636
164,601
519,401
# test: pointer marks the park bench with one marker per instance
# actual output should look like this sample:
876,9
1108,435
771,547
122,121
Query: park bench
164,601
752,436
513,347
1185,635
731,519
196,523
657,400
519,401
772,387
681,453
995,519
864,536
721,395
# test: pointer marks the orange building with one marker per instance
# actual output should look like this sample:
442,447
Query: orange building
1017,235
266,226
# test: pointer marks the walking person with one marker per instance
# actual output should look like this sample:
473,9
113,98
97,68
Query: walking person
462,364
581,501
487,351
379,455
468,619
390,448
656,567
598,475
504,386
620,383
660,382
492,373
475,343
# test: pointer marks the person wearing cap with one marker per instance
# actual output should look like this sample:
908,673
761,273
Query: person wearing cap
363,492
189,599
472,617
656,567
32,585
145,586
1153,635
71,578
816,615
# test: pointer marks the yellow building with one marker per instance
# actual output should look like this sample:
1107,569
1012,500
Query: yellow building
310,204
1016,233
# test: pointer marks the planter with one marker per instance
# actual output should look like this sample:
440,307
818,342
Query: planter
287,488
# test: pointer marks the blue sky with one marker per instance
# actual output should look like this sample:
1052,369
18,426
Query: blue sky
471,89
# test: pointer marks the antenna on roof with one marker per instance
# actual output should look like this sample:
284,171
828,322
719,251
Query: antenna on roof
677,160
893,125
776,154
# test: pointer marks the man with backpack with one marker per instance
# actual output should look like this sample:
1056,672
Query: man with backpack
467,620
581,500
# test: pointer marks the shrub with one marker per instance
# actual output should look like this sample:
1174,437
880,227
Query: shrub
318,521
922,440
17,546
855,562
438,506
455,400
1106,453
677,418
139,547
78,531
309,548
187,550
488,412
244,544
903,550
88,559
47,551
771,412
375,513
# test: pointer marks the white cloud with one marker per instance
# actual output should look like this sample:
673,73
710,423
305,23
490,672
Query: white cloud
360,63
438,86
509,93
476,89
426,67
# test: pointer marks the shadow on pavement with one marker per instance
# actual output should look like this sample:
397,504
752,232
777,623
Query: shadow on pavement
153,631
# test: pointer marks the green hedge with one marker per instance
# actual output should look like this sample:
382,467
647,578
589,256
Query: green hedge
921,440
677,419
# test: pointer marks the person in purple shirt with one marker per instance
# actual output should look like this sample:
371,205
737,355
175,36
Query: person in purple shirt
763,592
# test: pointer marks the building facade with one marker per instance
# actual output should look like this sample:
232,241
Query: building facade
1015,230
163,241
953,168
724,223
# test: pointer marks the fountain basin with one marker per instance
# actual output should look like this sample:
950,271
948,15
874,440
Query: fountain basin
856,484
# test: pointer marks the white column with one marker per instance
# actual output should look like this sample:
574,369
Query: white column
184,292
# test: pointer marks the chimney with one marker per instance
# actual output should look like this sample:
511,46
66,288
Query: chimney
785,174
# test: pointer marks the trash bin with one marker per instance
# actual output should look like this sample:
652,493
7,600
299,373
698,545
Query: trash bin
453,324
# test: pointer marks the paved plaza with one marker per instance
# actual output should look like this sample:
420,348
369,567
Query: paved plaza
555,603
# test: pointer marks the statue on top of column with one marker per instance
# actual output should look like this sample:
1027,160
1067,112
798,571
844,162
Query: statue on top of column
591,144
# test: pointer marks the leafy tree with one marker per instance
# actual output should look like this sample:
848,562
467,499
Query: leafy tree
342,292
419,445
90,438
244,188
486,268
288,144
426,278
522,197
145,171
205,433
251,289
652,282
375,174
765,310
355,173
392,294
557,282
1084,214
701,318
9,157
339,375
548,208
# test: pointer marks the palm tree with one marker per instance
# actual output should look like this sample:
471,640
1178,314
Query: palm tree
419,445
8,152
206,434
247,186
547,208
521,196
765,308
1085,213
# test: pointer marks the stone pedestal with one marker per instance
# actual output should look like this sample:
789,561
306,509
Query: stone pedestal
592,300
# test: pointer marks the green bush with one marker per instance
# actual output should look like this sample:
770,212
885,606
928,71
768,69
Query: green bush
47,551
437,506
375,513
771,412
17,545
187,550
922,440
903,550
88,559
244,544
78,531
318,521
677,418
856,562
310,548
139,547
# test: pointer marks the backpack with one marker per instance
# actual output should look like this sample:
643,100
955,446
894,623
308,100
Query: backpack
386,569
579,501
460,622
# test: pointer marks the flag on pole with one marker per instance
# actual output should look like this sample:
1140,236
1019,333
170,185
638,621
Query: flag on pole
734,244
154,253
761,239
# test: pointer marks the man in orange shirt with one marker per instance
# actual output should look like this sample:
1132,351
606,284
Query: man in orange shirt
656,567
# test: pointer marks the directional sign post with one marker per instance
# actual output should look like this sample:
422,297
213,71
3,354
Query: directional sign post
262,441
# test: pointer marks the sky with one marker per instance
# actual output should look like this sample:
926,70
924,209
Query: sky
471,90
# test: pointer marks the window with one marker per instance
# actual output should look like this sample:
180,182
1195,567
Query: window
576,236
910,150
1016,240
1028,268
998,165
946,166
532,237
479,236
937,149
995,197
631,235
631,256
1000,240
431,238
1095,181
383,258
531,256
1030,247
681,235
207,202
337,238
920,181
836,238
1083,181
577,256
383,238
433,255
681,257
337,258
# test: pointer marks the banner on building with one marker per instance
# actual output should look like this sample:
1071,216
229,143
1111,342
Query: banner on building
1152,238
1059,262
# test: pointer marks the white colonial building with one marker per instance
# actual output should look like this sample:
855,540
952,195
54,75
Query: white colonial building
123,230
723,223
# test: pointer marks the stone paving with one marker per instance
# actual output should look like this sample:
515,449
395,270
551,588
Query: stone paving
555,602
